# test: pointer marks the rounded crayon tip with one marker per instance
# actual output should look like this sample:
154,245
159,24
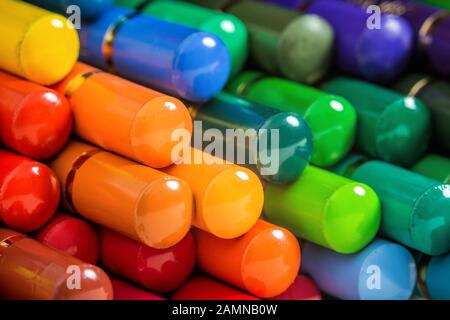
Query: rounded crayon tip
72,236
41,125
233,33
332,120
289,156
403,131
352,218
29,196
395,267
164,213
430,221
201,66
156,123
271,262
96,285
244,196
385,52
60,41
305,48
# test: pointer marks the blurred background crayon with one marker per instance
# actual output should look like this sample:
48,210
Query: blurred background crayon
299,46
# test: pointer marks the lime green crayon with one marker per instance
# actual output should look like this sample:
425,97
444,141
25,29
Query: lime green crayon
327,209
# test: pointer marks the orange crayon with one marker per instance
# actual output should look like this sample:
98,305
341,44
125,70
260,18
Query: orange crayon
137,201
29,270
228,198
265,261
124,117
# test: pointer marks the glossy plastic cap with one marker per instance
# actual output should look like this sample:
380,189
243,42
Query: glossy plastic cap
208,56
232,213
305,48
288,160
59,38
30,196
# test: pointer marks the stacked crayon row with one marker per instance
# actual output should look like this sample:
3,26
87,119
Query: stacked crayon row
121,178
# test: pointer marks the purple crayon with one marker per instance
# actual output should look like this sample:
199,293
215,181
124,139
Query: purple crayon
376,49
431,27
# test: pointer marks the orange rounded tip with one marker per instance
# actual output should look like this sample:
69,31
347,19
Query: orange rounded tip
154,128
265,261
232,203
271,262
164,213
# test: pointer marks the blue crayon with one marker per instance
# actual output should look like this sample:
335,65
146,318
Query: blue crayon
381,271
173,58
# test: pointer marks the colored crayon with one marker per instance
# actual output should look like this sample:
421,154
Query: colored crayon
434,277
177,59
227,27
332,119
391,127
434,166
436,95
303,288
72,236
226,215
431,27
203,288
123,117
325,208
416,209
36,44
298,46
276,145
378,52
29,192
382,271
29,270
89,9
137,201
265,261
126,291
34,121
159,270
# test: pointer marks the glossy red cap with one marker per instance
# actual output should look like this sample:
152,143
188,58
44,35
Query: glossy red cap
159,270
72,236
29,192
202,288
303,288
126,291
34,121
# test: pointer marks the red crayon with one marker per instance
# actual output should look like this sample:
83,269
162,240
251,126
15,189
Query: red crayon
202,288
29,270
29,192
303,288
159,270
72,236
35,121
125,291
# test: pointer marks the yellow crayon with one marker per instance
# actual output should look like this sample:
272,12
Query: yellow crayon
36,44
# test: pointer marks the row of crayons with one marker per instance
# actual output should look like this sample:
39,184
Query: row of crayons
135,208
